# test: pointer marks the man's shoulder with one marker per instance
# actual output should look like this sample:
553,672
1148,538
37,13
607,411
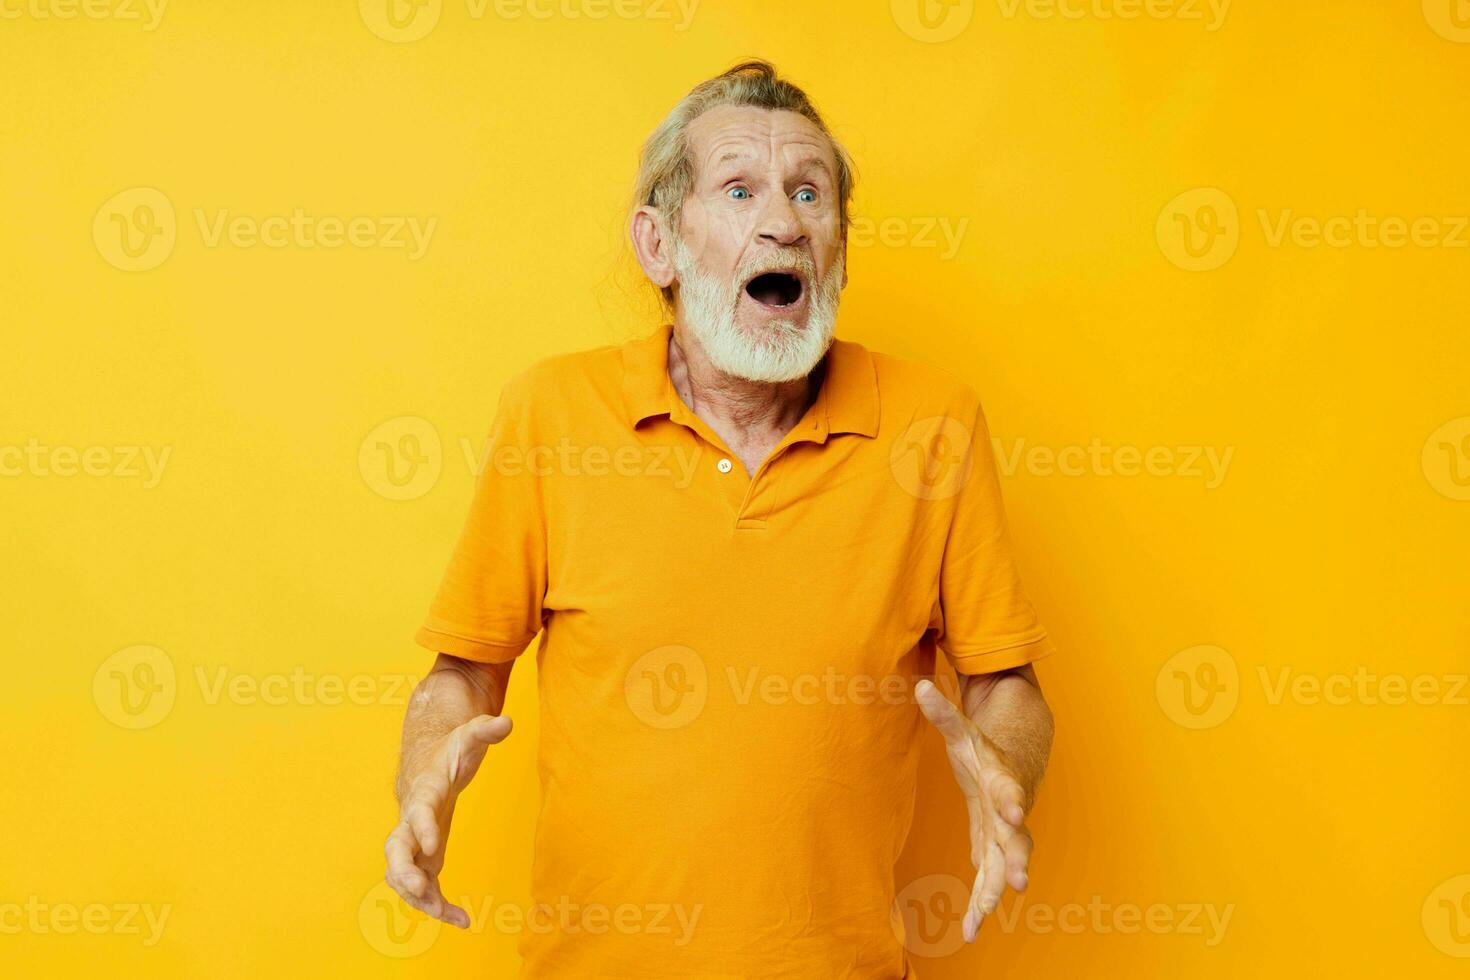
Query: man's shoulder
558,378
912,385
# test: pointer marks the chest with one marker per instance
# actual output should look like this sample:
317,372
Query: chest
822,546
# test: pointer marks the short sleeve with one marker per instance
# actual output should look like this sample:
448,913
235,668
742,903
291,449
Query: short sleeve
985,622
489,604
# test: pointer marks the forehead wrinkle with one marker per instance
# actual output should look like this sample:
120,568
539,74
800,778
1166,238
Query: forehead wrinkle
812,157
731,133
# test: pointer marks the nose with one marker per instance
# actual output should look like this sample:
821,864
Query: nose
779,224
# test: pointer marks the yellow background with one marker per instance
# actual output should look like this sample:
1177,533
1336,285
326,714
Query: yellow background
1334,544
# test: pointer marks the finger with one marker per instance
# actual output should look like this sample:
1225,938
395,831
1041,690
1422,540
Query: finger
432,903
983,827
940,711
970,927
490,728
982,823
447,911
468,744
416,902
991,882
424,825
1009,800
975,910
404,875
980,827
1017,849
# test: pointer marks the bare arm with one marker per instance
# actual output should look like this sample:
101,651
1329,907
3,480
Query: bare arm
1009,709
454,692
998,746
453,717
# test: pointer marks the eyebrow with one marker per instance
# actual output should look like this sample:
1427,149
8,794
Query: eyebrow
811,160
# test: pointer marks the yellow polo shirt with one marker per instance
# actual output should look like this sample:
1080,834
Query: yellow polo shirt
729,737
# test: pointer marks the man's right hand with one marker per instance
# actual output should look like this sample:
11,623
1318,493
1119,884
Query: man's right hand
415,848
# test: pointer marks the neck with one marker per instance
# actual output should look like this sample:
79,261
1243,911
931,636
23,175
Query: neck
717,397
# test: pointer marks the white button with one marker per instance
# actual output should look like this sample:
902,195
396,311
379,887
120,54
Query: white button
723,466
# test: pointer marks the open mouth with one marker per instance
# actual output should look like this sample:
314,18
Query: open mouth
776,289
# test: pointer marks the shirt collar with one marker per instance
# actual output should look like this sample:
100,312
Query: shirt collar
849,391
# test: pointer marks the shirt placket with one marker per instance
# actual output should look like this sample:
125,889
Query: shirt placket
750,499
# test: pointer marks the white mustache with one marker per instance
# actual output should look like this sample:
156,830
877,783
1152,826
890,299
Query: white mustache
803,266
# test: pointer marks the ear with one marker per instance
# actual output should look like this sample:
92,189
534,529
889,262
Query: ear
652,244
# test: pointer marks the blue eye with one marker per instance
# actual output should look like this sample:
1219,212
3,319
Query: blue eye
807,197
739,190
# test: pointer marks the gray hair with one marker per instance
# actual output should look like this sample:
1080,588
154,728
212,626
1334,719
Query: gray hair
665,169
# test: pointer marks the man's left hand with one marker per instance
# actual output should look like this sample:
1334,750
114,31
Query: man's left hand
1000,844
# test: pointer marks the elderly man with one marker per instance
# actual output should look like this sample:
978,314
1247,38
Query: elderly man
742,542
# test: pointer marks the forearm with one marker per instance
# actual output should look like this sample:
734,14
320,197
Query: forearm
1009,709
454,691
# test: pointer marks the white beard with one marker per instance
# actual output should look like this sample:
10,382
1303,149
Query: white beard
790,350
